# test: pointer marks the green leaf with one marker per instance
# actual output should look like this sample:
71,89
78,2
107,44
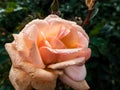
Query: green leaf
96,29
94,13
12,7
9,10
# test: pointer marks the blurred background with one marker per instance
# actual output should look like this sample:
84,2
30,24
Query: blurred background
103,29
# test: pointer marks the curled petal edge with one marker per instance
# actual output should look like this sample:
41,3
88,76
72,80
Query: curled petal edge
76,85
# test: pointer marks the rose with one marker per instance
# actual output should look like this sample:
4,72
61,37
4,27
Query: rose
52,43
43,47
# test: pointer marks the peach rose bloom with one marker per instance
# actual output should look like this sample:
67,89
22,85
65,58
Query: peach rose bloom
48,49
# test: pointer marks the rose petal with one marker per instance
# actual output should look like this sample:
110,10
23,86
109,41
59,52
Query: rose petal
81,85
50,17
14,55
22,43
55,18
35,57
56,43
75,39
43,41
81,30
17,58
76,36
62,65
58,27
71,40
63,32
83,42
32,53
51,56
42,25
19,79
44,79
76,72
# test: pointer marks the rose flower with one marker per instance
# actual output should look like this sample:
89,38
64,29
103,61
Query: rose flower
48,49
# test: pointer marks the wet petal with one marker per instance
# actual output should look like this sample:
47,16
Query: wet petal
25,49
22,43
55,18
13,53
42,25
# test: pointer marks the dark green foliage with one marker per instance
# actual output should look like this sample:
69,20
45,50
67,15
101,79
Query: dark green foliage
103,29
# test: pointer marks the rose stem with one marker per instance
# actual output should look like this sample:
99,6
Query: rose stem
87,19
